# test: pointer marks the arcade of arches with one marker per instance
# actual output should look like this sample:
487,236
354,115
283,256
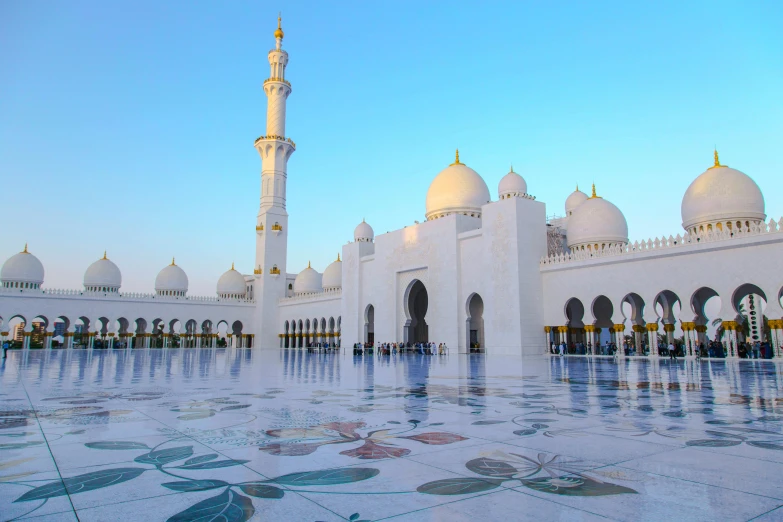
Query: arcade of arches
302,333
689,321
101,332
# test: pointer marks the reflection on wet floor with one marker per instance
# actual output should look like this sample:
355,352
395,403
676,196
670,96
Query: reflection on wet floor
184,434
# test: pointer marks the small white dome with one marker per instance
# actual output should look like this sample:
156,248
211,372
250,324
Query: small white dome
333,275
102,275
231,284
22,268
172,280
596,222
363,232
575,199
308,281
456,189
722,195
512,184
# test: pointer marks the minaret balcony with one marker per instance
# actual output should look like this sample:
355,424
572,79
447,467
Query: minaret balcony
258,271
281,80
274,271
260,230
275,137
276,229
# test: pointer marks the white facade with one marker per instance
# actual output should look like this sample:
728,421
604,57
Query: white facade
495,274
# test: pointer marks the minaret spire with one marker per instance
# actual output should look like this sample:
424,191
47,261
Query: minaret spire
271,227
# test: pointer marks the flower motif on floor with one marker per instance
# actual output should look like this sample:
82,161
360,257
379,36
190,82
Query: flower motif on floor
376,444
549,474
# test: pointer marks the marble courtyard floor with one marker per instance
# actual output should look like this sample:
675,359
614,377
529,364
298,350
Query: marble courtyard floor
235,435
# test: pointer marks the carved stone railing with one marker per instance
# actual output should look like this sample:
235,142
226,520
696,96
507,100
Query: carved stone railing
57,292
657,244
316,296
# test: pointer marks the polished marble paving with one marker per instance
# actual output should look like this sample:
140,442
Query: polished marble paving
235,435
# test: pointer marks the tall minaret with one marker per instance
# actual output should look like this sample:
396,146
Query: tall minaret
272,222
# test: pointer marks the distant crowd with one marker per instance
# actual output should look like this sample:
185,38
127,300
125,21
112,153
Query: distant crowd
712,349
392,348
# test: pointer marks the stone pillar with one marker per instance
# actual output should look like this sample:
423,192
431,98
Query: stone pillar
590,339
730,336
47,340
686,337
669,329
619,338
776,331
90,340
111,340
25,340
547,344
652,338
637,337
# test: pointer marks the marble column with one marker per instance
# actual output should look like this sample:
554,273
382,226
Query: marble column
637,337
590,339
547,331
619,338
652,339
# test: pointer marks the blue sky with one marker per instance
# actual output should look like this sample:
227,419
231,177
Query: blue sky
128,126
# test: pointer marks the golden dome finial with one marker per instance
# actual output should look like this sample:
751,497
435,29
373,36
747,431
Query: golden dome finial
232,265
279,30
104,255
456,161
25,249
577,187
512,168
717,161
338,256
594,195
308,265
172,262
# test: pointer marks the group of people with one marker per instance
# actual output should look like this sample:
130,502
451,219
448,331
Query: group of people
322,346
393,348
713,349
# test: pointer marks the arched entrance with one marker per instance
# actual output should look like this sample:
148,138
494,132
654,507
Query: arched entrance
475,324
369,324
415,310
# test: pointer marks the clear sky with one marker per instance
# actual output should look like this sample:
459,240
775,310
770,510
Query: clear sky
128,125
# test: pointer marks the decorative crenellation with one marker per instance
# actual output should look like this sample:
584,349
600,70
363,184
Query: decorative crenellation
689,239
276,137
281,80
113,296
315,296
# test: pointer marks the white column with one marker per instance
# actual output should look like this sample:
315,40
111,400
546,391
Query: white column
619,339
652,341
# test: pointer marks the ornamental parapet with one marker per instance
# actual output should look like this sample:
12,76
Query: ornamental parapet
117,296
276,137
688,240
326,295
281,80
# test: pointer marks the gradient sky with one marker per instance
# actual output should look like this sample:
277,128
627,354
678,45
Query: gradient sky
129,126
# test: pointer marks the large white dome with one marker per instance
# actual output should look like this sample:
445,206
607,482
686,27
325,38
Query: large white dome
22,270
333,275
172,280
721,195
596,222
363,232
575,199
512,185
102,276
308,281
456,189
232,284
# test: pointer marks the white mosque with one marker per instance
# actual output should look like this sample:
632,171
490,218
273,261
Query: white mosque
480,271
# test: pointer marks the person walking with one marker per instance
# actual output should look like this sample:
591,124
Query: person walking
672,352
